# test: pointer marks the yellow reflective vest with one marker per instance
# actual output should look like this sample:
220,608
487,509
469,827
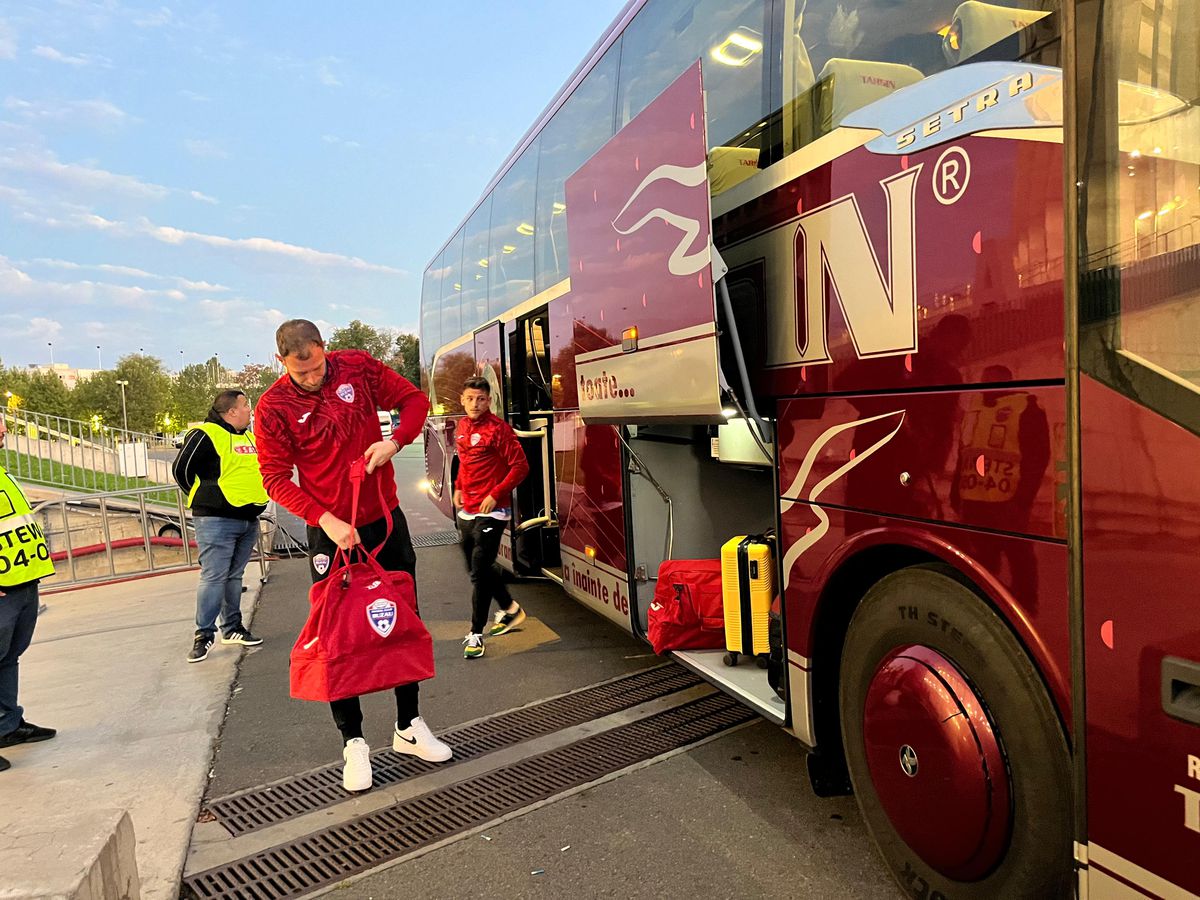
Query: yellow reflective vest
24,554
989,469
240,479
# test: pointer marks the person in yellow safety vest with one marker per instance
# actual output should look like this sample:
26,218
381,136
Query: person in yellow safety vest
24,559
1003,453
217,468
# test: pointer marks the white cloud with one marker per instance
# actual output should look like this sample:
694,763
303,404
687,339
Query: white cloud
75,177
341,142
99,113
18,284
167,234
83,59
35,332
8,41
203,198
131,272
325,75
154,19
194,97
205,149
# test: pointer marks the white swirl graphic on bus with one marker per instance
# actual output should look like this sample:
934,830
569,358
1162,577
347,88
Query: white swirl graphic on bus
681,262
818,531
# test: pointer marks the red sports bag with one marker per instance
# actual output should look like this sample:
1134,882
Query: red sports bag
687,612
363,633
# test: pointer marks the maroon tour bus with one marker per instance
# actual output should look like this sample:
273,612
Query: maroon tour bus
915,289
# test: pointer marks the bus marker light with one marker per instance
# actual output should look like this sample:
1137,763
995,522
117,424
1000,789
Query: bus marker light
981,465
590,552
629,339
1106,633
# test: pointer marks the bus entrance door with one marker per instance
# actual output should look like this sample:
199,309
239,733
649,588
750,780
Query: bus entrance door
529,410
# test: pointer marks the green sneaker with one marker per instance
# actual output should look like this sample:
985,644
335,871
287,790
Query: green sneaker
473,646
506,622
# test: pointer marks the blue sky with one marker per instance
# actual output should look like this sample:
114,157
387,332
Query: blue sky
186,176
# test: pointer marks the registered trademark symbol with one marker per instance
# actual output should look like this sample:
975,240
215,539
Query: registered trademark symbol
951,175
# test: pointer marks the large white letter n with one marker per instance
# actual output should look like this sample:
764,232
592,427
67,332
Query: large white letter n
833,247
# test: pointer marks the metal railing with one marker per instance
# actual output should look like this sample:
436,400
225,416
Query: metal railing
109,535
82,456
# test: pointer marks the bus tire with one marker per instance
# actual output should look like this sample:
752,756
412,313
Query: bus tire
923,649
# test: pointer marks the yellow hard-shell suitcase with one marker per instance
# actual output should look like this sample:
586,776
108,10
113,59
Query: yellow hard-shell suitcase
747,589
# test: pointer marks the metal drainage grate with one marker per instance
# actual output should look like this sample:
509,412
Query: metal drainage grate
435,539
332,854
259,807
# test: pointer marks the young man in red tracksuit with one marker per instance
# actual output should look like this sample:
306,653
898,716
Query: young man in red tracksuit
491,464
319,417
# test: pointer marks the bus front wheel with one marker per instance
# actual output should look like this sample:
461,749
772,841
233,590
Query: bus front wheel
957,758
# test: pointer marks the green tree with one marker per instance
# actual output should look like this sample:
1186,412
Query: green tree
360,336
99,396
407,357
192,394
47,394
254,379
147,396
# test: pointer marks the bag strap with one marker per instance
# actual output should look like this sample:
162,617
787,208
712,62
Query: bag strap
358,473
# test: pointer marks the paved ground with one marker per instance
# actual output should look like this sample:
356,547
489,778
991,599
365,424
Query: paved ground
732,818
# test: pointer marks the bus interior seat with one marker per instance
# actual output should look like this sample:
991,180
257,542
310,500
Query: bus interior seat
976,26
728,166
845,85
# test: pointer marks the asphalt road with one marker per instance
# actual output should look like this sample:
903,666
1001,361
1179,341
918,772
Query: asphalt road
733,817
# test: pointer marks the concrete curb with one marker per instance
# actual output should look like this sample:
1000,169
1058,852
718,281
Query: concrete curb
79,857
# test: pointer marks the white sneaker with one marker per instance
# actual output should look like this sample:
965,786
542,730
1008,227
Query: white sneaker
356,776
418,740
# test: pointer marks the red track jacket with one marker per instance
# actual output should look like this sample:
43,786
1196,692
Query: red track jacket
321,433
490,461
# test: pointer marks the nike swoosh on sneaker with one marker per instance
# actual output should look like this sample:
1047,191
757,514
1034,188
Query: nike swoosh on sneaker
412,741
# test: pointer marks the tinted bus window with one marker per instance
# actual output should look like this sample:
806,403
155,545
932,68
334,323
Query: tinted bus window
1140,280
837,57
510,269
475,268
452,289
431,312
578,129
728,35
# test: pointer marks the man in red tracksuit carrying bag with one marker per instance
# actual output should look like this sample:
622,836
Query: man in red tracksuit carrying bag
319,418
491,464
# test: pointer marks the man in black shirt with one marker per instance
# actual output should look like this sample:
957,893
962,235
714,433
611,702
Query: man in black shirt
218,471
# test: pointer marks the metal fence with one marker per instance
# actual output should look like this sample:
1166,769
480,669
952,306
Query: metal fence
109,535
82,456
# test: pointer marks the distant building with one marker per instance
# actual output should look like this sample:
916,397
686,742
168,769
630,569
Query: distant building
67,375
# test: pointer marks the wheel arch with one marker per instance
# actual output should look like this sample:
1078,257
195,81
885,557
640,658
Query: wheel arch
846,577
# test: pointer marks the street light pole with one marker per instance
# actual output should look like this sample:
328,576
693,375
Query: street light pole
50,344
124,417
99,360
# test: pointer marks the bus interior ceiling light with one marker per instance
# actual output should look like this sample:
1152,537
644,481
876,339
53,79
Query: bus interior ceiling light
629,339
525,228
748,44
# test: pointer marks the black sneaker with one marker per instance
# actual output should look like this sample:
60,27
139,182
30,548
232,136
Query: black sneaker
200,648
506,622
4,764
241,636
26,733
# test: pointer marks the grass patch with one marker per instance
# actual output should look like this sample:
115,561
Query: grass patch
28,469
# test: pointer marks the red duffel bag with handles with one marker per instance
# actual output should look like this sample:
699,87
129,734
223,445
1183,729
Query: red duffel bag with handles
363,633
687,612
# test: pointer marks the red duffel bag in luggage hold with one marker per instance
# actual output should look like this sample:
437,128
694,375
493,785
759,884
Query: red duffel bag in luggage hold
363,633
687,612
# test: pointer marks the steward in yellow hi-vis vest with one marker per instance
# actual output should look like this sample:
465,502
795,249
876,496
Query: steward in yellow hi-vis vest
24,554
24,558
217,469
